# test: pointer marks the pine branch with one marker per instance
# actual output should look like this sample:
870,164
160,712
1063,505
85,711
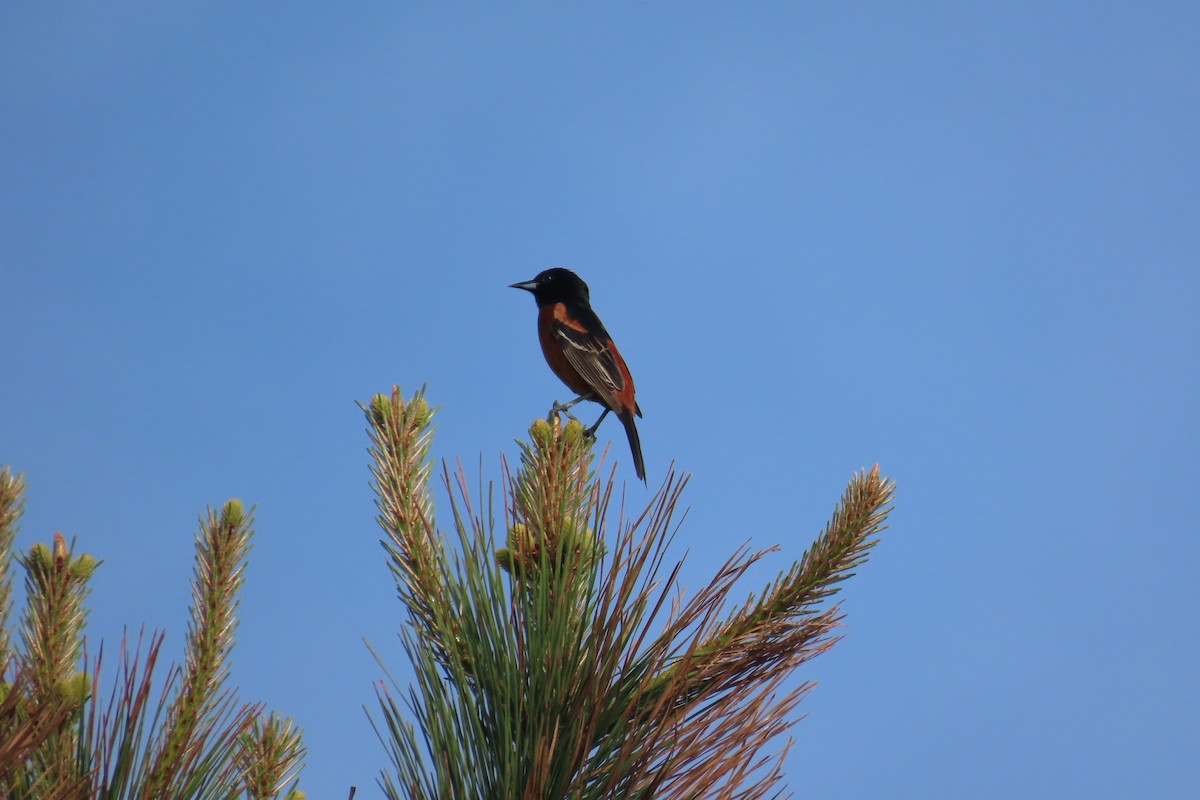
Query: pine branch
12,506
784,628
198,745
26,727
401,433
115,736
841,547
271,755
545,672
716,695
194,742
52,635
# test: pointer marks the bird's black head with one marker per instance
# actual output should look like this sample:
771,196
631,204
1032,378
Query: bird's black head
556,285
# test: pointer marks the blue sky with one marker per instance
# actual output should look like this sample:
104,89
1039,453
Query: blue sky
959,240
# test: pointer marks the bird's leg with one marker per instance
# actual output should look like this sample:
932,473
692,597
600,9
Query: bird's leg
592,430
564,408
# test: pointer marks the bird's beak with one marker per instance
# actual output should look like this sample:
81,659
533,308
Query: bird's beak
529,286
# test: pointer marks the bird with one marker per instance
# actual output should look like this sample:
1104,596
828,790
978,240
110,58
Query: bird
582,354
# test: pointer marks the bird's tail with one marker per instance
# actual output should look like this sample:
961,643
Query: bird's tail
635,445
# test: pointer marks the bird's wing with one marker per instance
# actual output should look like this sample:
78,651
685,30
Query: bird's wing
596,362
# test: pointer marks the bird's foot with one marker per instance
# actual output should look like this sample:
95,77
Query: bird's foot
563,409
591,432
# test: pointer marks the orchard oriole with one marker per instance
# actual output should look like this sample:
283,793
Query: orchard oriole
581,353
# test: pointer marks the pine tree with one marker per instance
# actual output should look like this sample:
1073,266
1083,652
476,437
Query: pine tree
554,653
61,738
